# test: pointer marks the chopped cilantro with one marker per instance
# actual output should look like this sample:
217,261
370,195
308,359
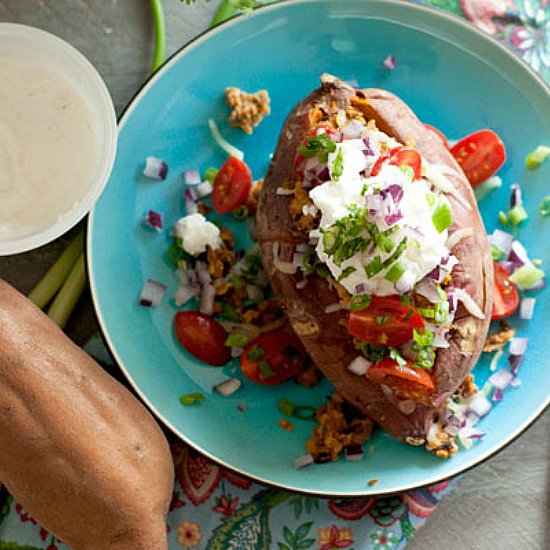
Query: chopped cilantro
230,313
191,398
374,354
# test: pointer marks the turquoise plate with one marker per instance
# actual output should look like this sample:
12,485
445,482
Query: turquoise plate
453,76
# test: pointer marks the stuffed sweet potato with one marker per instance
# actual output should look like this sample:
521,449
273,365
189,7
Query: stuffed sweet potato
371,238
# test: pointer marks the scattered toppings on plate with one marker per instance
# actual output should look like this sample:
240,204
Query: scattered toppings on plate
155,168
154,220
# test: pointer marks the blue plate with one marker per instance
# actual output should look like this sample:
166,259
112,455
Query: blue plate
453,76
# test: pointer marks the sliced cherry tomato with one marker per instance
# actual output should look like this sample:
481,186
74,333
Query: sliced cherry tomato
406,381
480,155
439,134
385,322
231,186
399,156
273,357
505,294
202,336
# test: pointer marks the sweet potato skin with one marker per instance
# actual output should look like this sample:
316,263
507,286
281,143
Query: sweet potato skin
325,335
77,449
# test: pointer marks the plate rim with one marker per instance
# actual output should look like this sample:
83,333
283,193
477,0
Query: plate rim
102,326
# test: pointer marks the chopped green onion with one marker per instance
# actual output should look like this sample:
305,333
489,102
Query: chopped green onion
191,398
265,369
430,197
423,347
304,412
286,407
537,157
526,276
518,214
230,313
373,353
487,186
382,320
423,337
237,340
256,352
241,213
337,166
398,251
410,313
442,217
397,357
210,174
383,243
496,253
346,273
503,218
237,282
441,312
374,267
426,312
407,170
359,302
319,146
405,299
323,271
544,208
395,272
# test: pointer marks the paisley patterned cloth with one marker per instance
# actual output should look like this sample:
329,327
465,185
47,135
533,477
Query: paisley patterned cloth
215,509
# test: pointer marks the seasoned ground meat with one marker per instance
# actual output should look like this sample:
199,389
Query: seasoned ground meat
248,109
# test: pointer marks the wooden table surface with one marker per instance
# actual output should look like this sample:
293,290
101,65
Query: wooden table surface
503,503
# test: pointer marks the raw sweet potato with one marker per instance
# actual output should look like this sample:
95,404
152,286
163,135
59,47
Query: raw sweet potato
77,449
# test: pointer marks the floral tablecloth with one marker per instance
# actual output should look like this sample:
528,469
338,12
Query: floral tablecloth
215,509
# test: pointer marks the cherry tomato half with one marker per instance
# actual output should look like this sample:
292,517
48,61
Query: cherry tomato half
399,156
480,155
406,381
273,357
439,134
385,322
202,336
505,294
231,186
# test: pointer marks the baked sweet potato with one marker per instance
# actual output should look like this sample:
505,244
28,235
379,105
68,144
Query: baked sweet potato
77,449
285,217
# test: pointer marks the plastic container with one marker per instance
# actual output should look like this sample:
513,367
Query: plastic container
22,47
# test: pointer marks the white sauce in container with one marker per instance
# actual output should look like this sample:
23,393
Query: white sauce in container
48,146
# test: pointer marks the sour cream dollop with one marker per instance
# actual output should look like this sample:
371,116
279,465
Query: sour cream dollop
196,234
398,207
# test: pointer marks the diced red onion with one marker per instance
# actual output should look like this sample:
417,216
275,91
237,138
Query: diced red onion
405,283
518,346
501,240
360,288
155,168
479,404
469,303
509,267
393,218
191,177
394,190
324,174
497,395
360,365
434,274
301,284
204,189
154,220
518,254
476,434
354,453
440,338
527,308
515,382
184,293
288,268
228,387
389,62
254,293
515,196
456,236
208,294
191,207
152,293
496,358
427,288
333,308
515,363
353,130
501,379
303,461
203,276
283,191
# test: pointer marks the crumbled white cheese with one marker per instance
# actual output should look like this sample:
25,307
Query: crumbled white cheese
197,233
